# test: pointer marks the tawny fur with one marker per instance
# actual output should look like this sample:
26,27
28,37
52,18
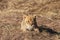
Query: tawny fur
27,22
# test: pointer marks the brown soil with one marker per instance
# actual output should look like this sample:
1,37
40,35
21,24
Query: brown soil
11,12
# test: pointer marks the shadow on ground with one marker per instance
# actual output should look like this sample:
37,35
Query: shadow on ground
49,30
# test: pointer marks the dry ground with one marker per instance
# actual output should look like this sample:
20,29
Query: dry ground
11,12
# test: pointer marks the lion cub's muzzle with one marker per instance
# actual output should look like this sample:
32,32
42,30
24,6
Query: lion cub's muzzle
30,27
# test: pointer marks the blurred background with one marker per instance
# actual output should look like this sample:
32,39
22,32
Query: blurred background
11,12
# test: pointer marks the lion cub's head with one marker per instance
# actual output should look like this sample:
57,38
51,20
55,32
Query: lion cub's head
28,22
29,19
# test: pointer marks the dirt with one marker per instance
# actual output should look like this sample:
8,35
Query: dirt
11,12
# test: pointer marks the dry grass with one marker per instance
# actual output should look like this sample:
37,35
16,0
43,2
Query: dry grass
11,11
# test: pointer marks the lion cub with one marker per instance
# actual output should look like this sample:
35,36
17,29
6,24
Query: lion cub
27,23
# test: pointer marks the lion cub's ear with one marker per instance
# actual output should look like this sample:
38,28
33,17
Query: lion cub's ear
24,16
